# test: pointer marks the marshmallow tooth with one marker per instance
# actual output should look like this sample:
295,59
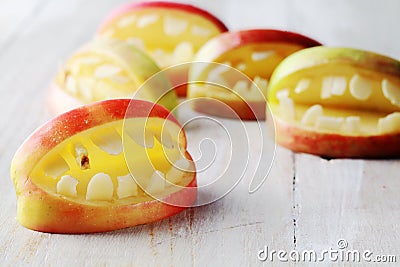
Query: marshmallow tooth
200,31
162,58
311,115
390,123
286,104
241,87
261,83
106,70
241,66
138,42
67,186
287,108
244,91
339,85
173,26
360,88
127,186
333,85
175,174
352,124
261,55
126,21
183,52
391,92
284,93
302,85
100,187
146,20
329,123
217,71
156,183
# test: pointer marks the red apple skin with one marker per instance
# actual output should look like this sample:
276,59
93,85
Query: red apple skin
331,145
182,89
51,213
167,5
231,40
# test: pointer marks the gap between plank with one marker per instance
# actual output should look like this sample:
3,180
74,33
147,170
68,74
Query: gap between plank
294,213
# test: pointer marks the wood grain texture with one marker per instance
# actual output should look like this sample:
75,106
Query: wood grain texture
306,202
358,196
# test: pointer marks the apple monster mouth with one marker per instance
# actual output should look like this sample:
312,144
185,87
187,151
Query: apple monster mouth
255,53
104,166
337,97
170,33
180,29
91,166
110,69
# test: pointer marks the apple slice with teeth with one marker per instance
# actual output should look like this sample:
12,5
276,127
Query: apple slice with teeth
347,105
254,52
88,170
170,32
106,69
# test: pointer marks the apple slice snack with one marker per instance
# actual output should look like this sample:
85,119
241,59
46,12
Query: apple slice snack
102,167
170,32
106,69
254,52
343,102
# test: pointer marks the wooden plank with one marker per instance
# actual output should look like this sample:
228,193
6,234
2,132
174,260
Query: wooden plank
355,200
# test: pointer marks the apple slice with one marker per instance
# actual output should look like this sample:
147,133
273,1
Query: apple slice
170,32
256,53
97,188
349,106
106,69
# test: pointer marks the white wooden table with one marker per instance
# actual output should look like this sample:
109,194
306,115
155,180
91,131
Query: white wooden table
306,203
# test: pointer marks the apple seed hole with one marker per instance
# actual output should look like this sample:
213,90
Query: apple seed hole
82,157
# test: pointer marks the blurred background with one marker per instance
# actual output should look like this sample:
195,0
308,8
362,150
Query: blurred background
367,24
